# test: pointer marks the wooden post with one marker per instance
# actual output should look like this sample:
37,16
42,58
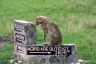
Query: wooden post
24,36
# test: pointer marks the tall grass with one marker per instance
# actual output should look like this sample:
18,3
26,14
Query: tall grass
6,54
75,18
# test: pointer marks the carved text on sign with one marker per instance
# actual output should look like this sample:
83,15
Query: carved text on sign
49,50
19,37
20,49
19,27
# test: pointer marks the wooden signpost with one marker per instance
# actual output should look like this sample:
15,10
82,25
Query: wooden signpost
27,51
24,36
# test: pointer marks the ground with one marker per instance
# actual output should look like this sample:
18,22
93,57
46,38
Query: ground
76,20
6,51
2,44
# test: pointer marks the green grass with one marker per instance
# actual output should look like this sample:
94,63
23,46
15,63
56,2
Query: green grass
6,54
75,18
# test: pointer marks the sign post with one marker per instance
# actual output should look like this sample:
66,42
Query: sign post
27,51
24,36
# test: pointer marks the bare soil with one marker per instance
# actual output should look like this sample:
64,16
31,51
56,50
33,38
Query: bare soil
4,41
2,44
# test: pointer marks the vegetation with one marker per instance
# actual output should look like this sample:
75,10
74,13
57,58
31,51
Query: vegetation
6,53
75,18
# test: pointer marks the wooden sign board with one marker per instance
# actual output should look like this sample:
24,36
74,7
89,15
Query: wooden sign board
65,54
24,32
49,50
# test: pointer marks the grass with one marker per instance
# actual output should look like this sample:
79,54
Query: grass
75,18
6,54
